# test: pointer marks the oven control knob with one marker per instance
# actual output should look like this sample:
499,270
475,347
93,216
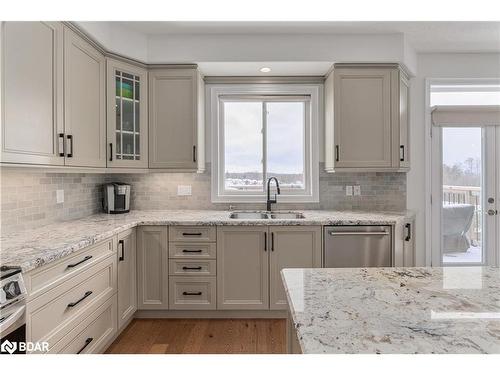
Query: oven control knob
12,290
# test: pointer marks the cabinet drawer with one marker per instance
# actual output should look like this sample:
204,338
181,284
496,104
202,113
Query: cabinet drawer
192,293
93,333
53,314
179,267
192,250
192,234
50,276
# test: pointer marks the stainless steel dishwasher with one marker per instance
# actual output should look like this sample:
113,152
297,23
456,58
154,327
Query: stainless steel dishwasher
358,246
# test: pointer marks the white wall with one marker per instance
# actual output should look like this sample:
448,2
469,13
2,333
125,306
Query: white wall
450,65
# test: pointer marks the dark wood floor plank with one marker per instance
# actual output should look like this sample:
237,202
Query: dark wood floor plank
204,336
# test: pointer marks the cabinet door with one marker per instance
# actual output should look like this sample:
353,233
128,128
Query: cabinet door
127,118
32,92
291,247
152,267
362,130
401,122
173,118
84,103
127,276
242,268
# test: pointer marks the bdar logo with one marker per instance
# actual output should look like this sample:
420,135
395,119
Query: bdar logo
8,347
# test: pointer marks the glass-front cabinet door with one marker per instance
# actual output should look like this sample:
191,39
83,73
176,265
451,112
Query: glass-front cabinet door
127,115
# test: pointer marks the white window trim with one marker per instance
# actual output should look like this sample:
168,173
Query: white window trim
311,147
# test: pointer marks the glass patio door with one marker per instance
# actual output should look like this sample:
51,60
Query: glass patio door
467,189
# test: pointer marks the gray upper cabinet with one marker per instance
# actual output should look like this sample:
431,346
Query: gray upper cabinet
127,117
176,135
84,103
366,118
32,92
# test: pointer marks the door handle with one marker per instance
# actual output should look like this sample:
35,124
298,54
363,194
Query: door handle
191,293
337,153
192,268
358,233
122,245
408,233
265,241
80,262
194,154
402,153
111,152
272,241
60,145
70,139
73,304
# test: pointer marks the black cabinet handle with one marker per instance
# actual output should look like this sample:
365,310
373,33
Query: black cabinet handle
87,342
272,241
408,233
61,144
192,268
70,139
73,304
191,234
191,293
337,153
80,262
265,241
191,251
111,152
122,246
402,153
194,154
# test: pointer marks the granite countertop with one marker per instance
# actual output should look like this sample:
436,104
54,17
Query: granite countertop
34,248
395,310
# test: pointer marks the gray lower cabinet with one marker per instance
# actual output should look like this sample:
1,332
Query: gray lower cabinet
152,267
291,247
242,268
250,260
127,276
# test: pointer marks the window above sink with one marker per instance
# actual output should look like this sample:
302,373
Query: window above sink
261,131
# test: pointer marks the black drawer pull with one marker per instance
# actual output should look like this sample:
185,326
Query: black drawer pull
192,268
191,293
191,251
73,304
192,234
80,262
87,342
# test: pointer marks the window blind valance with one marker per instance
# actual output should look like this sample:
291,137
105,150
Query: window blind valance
465,115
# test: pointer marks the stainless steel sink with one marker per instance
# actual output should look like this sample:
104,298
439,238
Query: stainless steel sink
287,215
249,215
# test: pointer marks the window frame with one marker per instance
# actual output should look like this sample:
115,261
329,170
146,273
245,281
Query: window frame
310,93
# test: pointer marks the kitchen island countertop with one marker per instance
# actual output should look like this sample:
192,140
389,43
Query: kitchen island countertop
395,310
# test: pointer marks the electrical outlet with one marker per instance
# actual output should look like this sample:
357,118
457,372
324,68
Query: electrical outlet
357,190
348,190
60,196
184,190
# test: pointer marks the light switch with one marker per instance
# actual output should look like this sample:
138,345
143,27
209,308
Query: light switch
357,190
348,190
60,196
183,189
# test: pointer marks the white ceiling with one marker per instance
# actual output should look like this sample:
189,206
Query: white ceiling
423,36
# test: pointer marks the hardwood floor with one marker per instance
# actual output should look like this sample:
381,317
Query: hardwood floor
204,336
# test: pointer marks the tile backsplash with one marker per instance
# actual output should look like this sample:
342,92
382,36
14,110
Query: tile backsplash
28,198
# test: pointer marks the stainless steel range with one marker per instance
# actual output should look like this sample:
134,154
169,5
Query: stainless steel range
12,310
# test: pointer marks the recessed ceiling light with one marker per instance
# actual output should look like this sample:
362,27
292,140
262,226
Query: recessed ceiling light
265,70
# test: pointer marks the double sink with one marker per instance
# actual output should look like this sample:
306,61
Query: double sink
263,215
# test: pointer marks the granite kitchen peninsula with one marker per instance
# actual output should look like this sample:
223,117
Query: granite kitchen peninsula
393,310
